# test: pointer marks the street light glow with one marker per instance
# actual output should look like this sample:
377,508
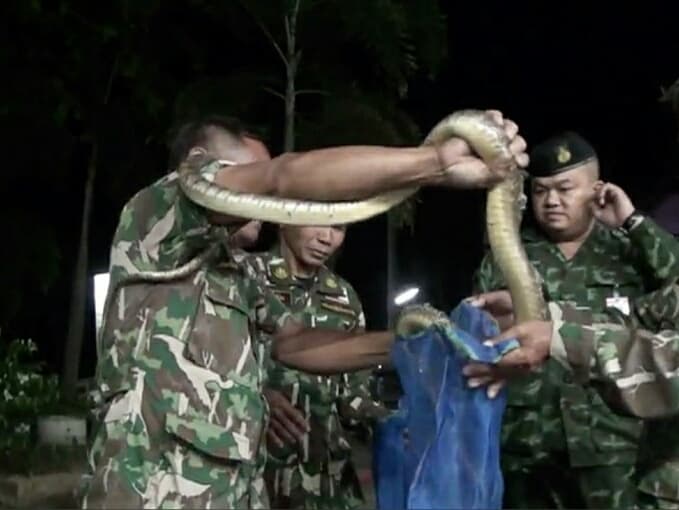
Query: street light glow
100,290
406,295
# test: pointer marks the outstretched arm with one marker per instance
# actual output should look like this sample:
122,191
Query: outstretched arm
330,352
318,351
636,369
356,172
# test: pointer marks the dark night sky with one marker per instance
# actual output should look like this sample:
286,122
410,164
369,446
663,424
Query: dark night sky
595,70
592,69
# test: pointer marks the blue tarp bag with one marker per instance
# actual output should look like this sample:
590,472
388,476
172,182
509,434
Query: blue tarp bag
441,448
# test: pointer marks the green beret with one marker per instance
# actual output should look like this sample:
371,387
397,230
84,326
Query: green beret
560,153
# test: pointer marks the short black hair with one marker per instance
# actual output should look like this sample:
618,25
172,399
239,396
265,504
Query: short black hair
194,132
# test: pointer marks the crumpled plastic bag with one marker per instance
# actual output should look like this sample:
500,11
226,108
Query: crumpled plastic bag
441,448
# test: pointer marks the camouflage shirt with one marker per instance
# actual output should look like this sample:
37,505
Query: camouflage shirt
181,411
549,412
322,301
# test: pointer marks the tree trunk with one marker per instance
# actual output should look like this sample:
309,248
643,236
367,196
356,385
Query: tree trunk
292,61
289,141
76,319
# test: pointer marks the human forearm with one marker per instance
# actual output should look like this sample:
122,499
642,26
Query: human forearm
342,173
326,352
657,249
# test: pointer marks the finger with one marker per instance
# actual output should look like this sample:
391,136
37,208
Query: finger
498,303
273,437
518,145
290,413
601,190
475,382
296,416
284,415
514,359
477,370
287,428
477,301
495,387
522,160
279,434
513,332
505,321
279,429
511,128
496,116
605,194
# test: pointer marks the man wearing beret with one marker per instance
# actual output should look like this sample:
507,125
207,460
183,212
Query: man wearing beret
562,446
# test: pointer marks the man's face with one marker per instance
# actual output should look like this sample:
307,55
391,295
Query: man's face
313,246
220,145
562,203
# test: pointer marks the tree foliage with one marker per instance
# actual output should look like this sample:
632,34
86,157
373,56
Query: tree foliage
95,86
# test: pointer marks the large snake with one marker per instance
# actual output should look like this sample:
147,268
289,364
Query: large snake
503,215
503,211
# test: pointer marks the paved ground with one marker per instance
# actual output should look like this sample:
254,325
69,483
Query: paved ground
56,490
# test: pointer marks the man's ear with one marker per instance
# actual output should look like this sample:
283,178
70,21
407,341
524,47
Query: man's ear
195,151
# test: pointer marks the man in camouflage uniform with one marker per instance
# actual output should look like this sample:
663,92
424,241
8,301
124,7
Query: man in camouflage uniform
592,248
631,360
310,466
180,408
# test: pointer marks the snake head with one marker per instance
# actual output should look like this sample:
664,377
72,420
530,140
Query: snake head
414,319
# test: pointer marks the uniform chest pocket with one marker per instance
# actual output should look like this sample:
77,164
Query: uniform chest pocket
221,340
603,286
333,314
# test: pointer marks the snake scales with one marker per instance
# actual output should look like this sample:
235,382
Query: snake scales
503,212
503,215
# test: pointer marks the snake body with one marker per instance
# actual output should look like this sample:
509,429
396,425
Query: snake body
503,210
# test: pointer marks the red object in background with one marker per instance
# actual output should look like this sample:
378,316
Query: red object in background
365,476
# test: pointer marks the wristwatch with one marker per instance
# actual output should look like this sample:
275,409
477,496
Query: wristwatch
632,221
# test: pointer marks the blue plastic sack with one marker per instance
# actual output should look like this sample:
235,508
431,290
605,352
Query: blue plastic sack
441,449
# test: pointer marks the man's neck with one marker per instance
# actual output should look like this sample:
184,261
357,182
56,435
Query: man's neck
297,267
569,247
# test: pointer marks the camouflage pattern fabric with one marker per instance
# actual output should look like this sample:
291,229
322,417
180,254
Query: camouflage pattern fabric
550,420
319,473
633,360
659,462
181,416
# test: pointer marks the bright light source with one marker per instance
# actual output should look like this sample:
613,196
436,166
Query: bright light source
406,295
100,291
